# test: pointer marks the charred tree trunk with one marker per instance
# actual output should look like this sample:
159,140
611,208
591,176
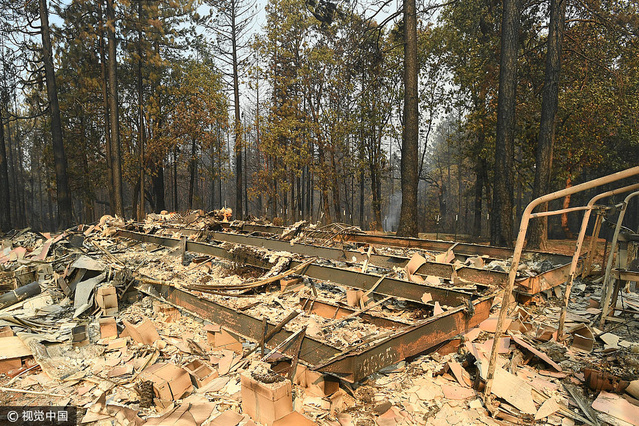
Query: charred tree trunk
65,213
502,210
546,141
141,131
237,128
113,110
5,196
480,172
192,172
105,99
157,182
409,165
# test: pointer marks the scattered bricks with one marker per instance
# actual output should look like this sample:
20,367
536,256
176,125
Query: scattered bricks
108,328
201,373
221,339
319,384
170,382
79,336
107,299
143,332
266,402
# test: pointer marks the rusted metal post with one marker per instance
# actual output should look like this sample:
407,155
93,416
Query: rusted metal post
607,290
519,245
575,257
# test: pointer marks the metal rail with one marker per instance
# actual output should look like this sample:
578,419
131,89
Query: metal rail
465,249
527,286
356,362
345,277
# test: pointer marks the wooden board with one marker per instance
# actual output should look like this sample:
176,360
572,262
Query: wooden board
13,347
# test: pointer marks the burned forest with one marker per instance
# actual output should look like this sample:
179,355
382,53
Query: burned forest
319,212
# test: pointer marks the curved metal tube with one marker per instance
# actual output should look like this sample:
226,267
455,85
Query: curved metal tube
519,245
606,284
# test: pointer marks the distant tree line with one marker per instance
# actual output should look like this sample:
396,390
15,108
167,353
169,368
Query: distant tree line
322,111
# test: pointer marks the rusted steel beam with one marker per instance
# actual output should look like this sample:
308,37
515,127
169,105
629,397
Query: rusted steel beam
465,249
333,310
236,321
355,365
331,253
388,286
525,286
532,285
437,269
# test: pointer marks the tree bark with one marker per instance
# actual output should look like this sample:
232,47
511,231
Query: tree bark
113,110
157,181
5,196
142,134
409,165
480,172
192,172
65,214
502,210
538,237
237,128
105,102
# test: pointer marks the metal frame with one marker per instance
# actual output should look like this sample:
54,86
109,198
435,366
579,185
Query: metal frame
356,362
607,283
527,286
521,237
464,249
388,286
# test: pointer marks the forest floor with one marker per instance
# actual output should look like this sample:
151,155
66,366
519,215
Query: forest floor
122,354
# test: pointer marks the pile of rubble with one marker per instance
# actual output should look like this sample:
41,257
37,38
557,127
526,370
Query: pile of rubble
86,322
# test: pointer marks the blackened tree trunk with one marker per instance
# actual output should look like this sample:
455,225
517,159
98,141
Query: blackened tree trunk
409,166
142,134
501,225
65,214
113,110
5,197
192,173
546,141
105,103
237,128
157,181
480,172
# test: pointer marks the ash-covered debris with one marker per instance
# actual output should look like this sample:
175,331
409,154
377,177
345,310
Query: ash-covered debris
96,335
